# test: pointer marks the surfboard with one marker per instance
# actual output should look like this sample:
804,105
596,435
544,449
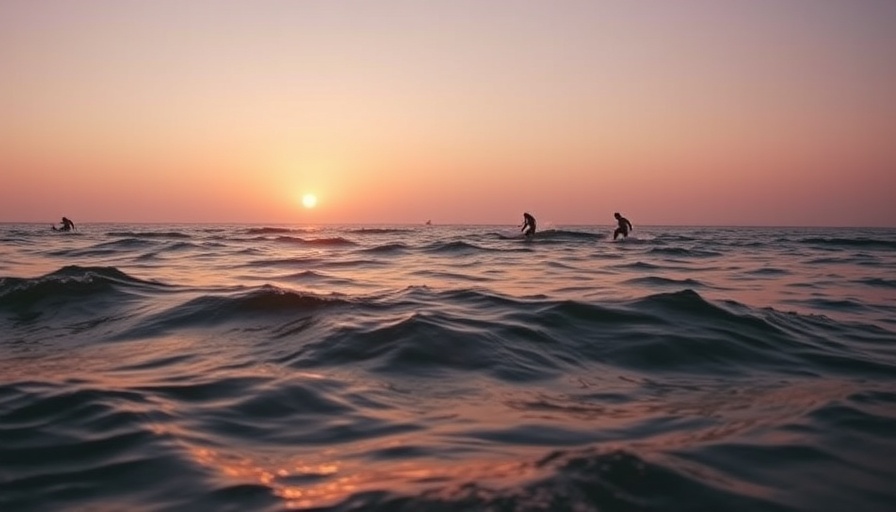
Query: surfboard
511,235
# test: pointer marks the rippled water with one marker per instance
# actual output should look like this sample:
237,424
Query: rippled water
213,367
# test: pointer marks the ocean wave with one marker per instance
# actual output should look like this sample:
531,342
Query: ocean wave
665,281
318,277
833,304
386,248
666,332
859,242
683,252
683,332
359,263
454,277
640,265
285,239
68,445
270,231
446,369
549,235
104,442
252,306
182,246
66,285
768,271
636,240
567,235
833,260
128,243
90,252
308,274
198,391
878,282
454,247
330,241
378,231
284,262
149,234
582,480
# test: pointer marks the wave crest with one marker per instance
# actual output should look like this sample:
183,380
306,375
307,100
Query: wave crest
67,283
257,304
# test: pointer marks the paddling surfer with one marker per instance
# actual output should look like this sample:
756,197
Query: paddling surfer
67,225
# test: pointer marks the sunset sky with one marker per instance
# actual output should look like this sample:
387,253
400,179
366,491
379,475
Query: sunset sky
752,112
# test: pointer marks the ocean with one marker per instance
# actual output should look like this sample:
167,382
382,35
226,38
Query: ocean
183,367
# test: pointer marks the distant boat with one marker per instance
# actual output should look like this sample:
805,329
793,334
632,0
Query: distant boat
429,223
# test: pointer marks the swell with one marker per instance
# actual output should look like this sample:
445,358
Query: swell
68,286
242,308
127,243
330,241
561,235
567,481
283,262
849,243
668,401
453,247
683,252
517,340
64,446
878,282
149,234
657,281
312,276
270,231
379,231
392,248
433,332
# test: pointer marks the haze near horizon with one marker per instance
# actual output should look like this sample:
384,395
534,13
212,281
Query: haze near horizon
692,112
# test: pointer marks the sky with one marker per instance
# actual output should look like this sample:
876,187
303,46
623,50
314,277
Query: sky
692,112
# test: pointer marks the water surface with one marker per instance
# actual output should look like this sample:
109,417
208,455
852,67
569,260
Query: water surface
271,367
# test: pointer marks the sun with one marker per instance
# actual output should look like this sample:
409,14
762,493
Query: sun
309,200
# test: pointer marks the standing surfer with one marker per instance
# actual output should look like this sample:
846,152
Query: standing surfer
624,226
528,221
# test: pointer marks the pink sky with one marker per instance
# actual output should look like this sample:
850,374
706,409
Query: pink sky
752,112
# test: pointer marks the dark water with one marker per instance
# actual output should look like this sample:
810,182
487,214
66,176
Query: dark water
200,367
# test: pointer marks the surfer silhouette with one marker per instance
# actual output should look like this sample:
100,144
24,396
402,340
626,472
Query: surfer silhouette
624,226
528,222
67,225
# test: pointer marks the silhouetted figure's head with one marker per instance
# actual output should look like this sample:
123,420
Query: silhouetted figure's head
617,215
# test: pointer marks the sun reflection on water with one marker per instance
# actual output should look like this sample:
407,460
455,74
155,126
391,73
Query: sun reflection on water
305,484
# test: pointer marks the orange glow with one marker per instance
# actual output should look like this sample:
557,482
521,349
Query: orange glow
674,114
333,481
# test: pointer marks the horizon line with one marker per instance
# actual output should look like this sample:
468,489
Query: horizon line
742,226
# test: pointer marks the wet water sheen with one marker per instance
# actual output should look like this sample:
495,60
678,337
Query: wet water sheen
237,367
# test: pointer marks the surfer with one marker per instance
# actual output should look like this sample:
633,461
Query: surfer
528,221
67,225
624,226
